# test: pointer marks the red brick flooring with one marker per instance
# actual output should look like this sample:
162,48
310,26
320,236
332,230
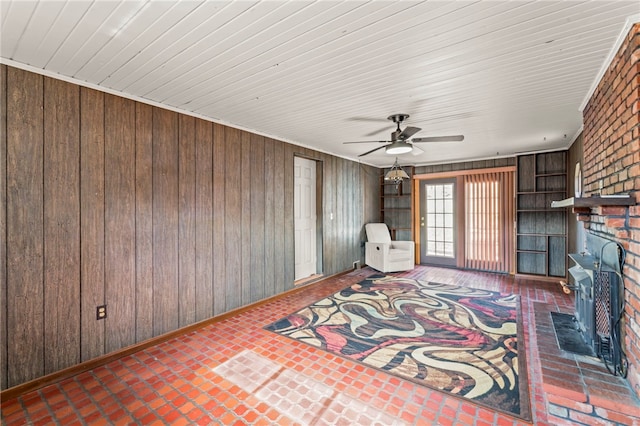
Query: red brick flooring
185,380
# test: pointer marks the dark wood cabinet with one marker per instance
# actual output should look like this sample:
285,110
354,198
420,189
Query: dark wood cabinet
541,240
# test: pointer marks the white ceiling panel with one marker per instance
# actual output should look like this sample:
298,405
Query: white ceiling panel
508,75
39,26
15,20
144,27
185,41
95,28
228,50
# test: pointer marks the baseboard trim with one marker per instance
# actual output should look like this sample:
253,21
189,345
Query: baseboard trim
540,278
49,379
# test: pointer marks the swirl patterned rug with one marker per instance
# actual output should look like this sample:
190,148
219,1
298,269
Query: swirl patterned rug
459,340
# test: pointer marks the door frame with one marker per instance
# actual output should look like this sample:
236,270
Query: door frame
458,174
458,236
319,214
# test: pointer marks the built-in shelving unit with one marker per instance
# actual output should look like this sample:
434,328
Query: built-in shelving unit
541,231
395,206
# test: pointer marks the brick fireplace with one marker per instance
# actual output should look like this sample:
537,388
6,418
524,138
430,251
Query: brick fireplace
611,166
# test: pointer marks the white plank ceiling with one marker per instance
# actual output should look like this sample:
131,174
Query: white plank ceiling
508,75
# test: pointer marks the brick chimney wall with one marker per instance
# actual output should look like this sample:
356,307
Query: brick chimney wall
611,165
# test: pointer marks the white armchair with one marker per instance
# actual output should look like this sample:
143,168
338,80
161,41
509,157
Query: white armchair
385,255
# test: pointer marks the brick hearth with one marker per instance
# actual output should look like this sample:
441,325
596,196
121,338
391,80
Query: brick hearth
579,388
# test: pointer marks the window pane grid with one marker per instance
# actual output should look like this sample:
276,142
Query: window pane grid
439,220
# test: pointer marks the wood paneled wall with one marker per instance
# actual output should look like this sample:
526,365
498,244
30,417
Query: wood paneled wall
165,218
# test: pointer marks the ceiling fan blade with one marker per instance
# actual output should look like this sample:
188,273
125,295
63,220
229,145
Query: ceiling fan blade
365,142
454,138
408,132
367,119
369,152
416,150
377,131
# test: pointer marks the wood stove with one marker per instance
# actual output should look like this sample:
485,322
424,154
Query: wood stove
599,299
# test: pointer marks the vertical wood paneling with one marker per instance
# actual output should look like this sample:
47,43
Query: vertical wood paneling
233,217
371,203
25,251
329,214
289,250
348,214
165,221
144,222
187,221
246,192
319,212
279,215
219,259
120,215
340,212
204,220
257,254
269,217
3,226
355,217
171,219
61,224
338,217
91,221
358,212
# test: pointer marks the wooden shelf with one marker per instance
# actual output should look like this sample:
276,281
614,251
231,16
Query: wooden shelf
605,200
535,210
541,232
551,174
540,235
560,191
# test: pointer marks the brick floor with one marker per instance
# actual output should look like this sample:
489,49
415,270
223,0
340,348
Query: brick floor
193,379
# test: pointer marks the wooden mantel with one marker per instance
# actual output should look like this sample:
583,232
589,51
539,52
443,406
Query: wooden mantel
595,201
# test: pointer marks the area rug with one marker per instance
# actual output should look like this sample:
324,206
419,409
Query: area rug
459,340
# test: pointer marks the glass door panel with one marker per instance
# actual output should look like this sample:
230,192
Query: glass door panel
437,222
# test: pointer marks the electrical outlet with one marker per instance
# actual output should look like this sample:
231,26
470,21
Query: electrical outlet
101,312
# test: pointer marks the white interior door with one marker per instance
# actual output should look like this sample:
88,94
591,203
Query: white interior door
305,217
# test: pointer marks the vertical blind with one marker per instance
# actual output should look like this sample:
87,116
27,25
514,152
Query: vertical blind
489,217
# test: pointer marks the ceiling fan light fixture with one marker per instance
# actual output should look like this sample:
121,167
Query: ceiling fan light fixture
398,147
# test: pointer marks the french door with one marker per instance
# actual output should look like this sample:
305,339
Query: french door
468,220
438,228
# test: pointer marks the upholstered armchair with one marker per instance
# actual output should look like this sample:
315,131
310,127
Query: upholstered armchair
385,255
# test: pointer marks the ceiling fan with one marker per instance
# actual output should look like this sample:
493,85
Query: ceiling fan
400,142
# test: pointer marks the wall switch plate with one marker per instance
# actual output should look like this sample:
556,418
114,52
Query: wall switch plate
101,312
